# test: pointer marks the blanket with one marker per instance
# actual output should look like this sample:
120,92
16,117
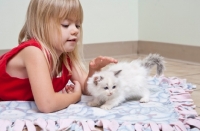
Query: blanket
170,108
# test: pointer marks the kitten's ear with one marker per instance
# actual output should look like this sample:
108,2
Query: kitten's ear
97,79
117,72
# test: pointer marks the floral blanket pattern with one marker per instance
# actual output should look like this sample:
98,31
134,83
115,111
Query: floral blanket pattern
170,108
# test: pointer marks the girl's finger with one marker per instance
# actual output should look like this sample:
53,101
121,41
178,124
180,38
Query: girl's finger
69,92
63,90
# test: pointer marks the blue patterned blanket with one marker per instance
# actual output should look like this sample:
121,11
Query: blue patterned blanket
170,108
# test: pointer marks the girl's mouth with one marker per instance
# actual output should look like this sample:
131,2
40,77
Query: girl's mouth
72,40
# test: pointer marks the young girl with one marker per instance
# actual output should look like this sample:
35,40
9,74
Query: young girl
48,57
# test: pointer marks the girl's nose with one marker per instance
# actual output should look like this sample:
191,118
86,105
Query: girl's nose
74,30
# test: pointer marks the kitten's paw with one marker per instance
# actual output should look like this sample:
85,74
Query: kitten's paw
106,107
92,103
144,100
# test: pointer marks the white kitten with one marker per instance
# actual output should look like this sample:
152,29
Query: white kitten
123,81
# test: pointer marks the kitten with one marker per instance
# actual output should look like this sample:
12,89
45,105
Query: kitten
123,81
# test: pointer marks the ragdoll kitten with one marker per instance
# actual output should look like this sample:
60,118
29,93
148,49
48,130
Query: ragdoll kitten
123,81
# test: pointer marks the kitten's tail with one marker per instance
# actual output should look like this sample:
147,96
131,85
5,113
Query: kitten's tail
152,60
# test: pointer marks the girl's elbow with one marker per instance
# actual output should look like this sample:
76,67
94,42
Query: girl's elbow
45,109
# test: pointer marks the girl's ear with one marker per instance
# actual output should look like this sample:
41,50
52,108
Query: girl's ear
117,72
97,79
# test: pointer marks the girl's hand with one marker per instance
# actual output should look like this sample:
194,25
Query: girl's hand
100,62
72,88
77,87
69,89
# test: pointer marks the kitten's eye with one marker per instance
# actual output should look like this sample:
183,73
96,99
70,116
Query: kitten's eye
106,88
114,87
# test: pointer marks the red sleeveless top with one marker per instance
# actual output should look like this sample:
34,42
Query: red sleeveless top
12,88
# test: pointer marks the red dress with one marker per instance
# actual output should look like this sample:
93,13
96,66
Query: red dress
12,88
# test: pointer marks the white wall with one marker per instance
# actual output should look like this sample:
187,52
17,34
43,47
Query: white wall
12,17
104,21
110,20
170,21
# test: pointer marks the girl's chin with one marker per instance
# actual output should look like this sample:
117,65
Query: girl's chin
69,49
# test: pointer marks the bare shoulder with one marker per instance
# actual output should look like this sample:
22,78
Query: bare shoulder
31,52
16,66
34,59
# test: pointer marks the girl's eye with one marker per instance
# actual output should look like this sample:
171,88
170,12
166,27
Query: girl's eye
106,88
65,25
114,87
78,26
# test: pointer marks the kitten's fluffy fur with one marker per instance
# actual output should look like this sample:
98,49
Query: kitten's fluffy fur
123,81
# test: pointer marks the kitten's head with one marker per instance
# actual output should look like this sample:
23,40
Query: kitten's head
104,83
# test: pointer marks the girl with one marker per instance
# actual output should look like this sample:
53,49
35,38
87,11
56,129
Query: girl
48,57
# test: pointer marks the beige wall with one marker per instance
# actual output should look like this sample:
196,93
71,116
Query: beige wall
170,21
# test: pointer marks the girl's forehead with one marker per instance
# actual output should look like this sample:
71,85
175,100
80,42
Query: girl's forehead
70,20
72,11
72,17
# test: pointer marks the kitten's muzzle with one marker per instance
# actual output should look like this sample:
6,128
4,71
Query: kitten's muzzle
109,94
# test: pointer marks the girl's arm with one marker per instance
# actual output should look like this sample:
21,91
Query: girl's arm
46,99
94,65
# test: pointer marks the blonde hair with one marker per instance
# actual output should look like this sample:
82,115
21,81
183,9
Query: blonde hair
43,23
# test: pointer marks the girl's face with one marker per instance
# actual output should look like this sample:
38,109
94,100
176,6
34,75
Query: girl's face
70,32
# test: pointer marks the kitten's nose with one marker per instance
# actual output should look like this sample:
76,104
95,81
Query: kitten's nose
110,94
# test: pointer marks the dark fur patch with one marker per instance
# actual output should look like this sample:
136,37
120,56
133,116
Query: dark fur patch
152,60
117,72
97,79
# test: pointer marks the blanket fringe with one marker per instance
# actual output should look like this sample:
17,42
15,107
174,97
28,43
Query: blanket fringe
107,125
